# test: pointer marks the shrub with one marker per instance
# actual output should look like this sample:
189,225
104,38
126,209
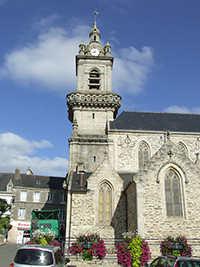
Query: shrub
123,254
43,238
4,223
166,247
43,241
96,249
87,255
76,248
134,251
99,249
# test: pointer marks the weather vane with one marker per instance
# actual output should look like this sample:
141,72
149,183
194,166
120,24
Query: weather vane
95,15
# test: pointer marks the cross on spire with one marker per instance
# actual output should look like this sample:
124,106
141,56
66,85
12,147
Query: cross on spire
95,15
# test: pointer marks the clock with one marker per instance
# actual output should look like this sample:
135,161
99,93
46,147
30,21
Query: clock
94,52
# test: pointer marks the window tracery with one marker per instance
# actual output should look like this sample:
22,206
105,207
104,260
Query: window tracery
143,154
173,194
105,203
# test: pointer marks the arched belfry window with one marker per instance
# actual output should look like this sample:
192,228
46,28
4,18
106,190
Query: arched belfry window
105,203
173,194
94,79
143,154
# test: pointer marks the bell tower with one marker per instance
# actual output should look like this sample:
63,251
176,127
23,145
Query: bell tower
92,104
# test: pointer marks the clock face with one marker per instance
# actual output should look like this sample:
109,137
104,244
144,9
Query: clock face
94,52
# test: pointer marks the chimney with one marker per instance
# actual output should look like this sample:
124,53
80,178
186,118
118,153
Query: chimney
81,181
17,174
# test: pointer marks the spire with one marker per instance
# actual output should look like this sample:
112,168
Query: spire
95,33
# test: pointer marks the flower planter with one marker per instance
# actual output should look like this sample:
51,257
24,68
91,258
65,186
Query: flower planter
87,244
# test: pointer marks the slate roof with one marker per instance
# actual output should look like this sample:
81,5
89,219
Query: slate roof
33,181
37,181
4,180
153,121
127,177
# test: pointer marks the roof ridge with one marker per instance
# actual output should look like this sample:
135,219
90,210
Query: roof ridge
160,112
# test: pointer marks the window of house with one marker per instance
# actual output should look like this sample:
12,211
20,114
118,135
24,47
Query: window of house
94,80
36,196
173,194
50,197
23,195
143,154
62,198
9,189
105,203
21,213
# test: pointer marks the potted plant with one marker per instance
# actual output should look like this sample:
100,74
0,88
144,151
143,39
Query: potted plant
89,246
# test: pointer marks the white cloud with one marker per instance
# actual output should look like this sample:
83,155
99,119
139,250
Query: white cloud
131,69
177,109
16,152
50,61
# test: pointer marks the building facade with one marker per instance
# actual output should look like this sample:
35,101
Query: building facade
136,172
28,191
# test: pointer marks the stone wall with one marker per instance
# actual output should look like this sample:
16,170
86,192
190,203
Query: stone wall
103,263
153,222
123,154
85,206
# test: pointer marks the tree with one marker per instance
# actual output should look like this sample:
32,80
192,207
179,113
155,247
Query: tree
4,206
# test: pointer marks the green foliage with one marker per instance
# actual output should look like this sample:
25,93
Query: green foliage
136,250
175,252
87,255
89,245
166,246
43,238
4,206
43,241
4,222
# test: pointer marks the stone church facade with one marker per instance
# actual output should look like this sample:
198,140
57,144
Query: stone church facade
138,171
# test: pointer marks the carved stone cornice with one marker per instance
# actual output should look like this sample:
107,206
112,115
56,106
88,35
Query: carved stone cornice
90,139
93,100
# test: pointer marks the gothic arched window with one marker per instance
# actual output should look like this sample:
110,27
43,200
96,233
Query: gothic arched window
173,194
143,154
94,79
105,203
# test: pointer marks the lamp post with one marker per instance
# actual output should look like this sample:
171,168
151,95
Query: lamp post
64,185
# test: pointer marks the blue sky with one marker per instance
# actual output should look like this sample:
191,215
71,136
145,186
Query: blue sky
156,68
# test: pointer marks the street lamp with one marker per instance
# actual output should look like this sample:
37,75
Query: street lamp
65,186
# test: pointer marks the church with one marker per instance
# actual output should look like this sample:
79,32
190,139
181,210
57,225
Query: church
136,171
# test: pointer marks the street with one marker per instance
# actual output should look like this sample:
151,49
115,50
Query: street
7,253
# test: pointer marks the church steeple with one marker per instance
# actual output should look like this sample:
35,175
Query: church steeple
93,103
93,97
95,34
